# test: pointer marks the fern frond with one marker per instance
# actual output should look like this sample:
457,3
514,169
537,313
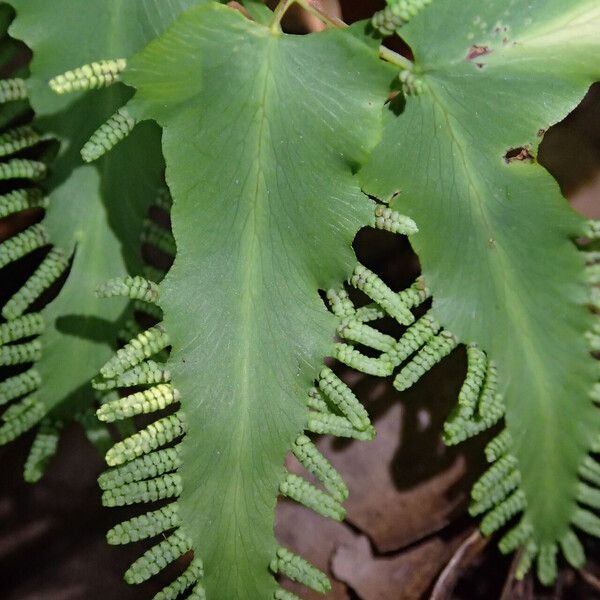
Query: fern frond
480,406
342,397
430,355
158,557
145,467
304,492
102,239
23,327
145,526
540,369
313,461
149,490
297,569
592,229
19,200
48,272
19,385
330,424
12,89
148,372
17,139
148,401
22,244
91,76
572,549
143,346
590,470
22,168
503,512
186,580
115,130
390,220
258,275
135,288
42,450
160,238
396,14
144,472
371,284
18,354
358,332
155,435
340,303
21,417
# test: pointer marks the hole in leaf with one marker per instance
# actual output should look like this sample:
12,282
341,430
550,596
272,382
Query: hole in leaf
475,51
521,154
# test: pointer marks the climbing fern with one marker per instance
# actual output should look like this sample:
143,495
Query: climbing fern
278,149
514,283
94,216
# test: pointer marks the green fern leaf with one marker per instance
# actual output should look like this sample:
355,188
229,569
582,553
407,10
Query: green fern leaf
258,233
496,237
95,213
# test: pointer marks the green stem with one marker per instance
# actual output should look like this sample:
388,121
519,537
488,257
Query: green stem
395,59
315,12
279,13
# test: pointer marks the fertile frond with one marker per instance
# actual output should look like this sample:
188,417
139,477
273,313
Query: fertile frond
19,418
12,89
135,288
150,400
312,460
115,130
146,526
429,355
143,346
160,238
17,139
19,385
95,75
150,438
23,243
268,282
49,270
23,327
342,397
510,279
147,373
304,492
396,14
19,200
297,569
42,450
94,214
22,168
370,283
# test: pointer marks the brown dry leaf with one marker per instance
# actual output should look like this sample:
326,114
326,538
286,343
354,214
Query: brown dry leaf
313,537
404,576
470,549
586,199
405,485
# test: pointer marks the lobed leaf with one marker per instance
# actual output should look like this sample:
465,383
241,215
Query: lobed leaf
96,212
252,120
495,235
